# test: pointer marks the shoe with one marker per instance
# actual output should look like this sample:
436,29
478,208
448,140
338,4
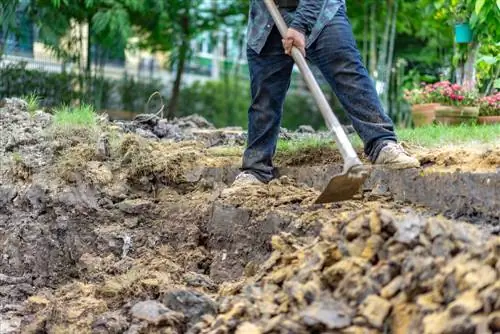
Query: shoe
394,156
244,179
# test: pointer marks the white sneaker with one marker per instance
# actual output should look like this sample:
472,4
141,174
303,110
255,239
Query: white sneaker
394,156
244,179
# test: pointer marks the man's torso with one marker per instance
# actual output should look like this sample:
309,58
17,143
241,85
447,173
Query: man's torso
260,22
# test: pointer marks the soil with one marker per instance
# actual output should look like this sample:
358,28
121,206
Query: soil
105,231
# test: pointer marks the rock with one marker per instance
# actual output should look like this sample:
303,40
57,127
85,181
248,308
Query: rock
408,230
494,322
467,303
135,206
191,303
154,313
102,148
392,288
7,194
327,312
350,266
110,323
145,133
199,281
305,129
166,130
247,328
375,310
149,119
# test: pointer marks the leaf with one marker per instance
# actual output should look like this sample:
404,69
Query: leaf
490,60
479,5
498,4
497,84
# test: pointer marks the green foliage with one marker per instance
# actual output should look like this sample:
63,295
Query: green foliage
33,102
81,116
51,88
134,93
221,102
226,103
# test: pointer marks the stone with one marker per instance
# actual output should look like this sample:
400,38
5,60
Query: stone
349,266
145,133
494,322
103,150
375,310
134,206
409,229
305,129
192,304
354,228
467,303
247,328
327,312
199,281
435,323
392,288
7,194
152,312
110,323
403,318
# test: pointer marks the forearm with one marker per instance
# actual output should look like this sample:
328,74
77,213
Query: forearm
306,15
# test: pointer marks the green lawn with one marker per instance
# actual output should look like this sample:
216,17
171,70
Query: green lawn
430,136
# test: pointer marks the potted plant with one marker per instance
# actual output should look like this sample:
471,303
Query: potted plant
422,107
457,105
489,109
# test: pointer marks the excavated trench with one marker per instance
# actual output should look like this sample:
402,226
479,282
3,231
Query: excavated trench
146,248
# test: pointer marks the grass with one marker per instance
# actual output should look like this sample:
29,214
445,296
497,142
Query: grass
430,136
81,116
439,135
33,102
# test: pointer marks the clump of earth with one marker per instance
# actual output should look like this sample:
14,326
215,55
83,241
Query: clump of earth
106,229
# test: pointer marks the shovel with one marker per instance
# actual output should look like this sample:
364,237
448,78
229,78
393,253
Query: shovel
345,185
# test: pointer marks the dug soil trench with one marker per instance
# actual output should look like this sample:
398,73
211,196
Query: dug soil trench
105,229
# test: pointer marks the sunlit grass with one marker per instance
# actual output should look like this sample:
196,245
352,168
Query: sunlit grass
81,116
33,102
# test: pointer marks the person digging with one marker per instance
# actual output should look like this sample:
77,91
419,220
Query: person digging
320,29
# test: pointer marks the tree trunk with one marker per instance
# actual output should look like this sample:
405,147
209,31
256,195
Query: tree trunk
365,31
373,39
174,98
382,57
469,73
390,53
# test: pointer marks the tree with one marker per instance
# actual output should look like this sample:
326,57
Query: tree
7,21
171,25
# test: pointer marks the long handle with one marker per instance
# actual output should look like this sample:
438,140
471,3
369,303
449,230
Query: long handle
345,147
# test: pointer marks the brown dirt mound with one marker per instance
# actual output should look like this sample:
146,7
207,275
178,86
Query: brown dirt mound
480,158
370,274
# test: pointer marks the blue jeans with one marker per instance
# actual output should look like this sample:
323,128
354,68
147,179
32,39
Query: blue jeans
336,55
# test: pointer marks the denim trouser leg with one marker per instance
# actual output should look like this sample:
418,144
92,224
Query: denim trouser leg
270,73
336,55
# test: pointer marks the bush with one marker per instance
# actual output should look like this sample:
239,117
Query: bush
225,103
54,89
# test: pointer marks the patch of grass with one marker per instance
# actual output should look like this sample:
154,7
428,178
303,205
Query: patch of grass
438,135
430,136
82,116
33,102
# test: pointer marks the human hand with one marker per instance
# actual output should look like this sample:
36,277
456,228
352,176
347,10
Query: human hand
294,38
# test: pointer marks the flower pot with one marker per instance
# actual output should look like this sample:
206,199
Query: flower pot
463,33
423,114
451,115
488,119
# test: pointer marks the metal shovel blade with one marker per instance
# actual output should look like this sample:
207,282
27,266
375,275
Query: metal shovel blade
344,186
